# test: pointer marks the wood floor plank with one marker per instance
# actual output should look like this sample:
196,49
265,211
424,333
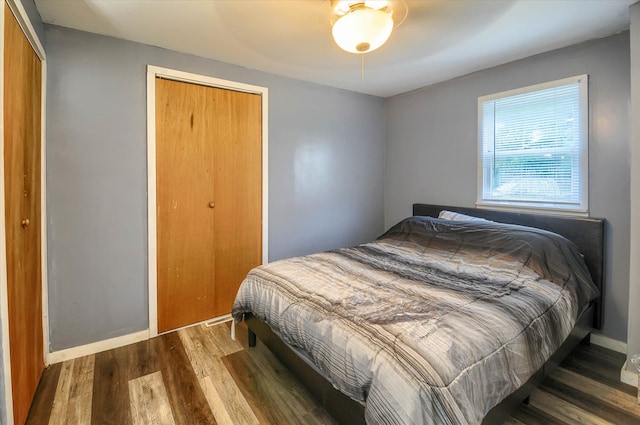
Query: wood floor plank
232,397
599,364
583,401
565,411
272,400
141,359
246,375
81,391
596,390
72,403
221,336
531,415
297,395
40,411
110,403
215,402
149,401
60,403
196,351
207,364
187,400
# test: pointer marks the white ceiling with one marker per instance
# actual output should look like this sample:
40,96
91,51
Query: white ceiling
438,40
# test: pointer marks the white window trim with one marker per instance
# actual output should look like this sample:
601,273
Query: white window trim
549,208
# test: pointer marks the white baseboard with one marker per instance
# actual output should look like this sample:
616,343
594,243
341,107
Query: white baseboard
628,377
96,347
610,343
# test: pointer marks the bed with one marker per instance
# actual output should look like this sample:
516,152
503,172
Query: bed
449,320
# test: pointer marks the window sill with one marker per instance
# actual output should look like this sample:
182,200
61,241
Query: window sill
532,209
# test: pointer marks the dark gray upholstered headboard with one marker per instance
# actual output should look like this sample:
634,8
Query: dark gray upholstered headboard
586,233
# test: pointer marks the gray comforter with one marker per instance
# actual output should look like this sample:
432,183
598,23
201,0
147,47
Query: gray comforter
435,322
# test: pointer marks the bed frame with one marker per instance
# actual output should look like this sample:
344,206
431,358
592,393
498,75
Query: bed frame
586,233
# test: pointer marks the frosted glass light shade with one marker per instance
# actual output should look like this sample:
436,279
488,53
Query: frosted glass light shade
362,30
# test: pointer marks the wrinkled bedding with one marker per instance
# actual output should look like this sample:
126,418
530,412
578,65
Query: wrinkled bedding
435,322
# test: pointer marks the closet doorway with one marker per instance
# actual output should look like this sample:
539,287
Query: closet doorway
207,179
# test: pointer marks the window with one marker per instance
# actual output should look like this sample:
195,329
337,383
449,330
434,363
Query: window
533,147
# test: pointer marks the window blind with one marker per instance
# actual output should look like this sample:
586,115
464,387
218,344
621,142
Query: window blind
533,147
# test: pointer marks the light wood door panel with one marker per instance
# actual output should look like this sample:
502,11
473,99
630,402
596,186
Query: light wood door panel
184,181
22,138
238,189
208,197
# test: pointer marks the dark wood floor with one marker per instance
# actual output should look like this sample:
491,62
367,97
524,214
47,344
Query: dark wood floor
200,376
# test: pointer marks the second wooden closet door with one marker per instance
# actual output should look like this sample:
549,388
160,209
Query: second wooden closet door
209,198
22,160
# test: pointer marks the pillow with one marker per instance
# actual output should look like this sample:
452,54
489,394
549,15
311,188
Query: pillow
450,215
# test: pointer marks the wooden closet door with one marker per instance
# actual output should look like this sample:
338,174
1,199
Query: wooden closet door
22,138
238,192
208,194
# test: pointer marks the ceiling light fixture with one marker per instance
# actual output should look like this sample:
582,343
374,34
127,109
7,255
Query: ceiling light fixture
362,26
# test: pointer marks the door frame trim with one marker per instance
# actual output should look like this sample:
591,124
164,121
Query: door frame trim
172,74
27,28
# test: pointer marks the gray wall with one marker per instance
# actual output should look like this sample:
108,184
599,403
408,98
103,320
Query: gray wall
326,175
633,334
432,146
